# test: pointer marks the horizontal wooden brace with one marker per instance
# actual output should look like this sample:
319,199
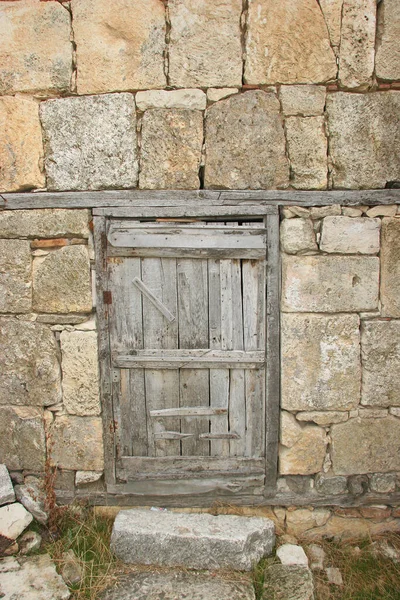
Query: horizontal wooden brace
216,253
191,359
165,465
189,411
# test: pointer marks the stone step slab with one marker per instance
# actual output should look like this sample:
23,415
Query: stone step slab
33,578
6,487
194,541
284,582
179,586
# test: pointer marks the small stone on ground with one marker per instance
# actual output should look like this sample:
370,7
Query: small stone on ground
290,554
14,518
334,576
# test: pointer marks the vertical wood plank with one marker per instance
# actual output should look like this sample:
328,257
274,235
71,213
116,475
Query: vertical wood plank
194,386
137,424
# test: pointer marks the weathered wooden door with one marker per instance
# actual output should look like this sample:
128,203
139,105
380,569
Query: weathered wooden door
186,310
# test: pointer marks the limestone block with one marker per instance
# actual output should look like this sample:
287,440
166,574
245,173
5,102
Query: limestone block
35,579
287,42
352,211
330,485
320,212
245,143
323,417
301,520
15,276
387,60
320,362
6,487
330,283
302,100
205,43
390,267
383,483
215,94
171,149
380,352
61,281
120,44
35,47
357,43
80,381
14,518
366,445
291,431
85,477
291,554
30,372
90,142
31,496
394,411
307,147
350,235
343,529
44,223
21,148
289,212
385,210
194,541
307,455
191,99
297,235
332,11
363,132
78,443
22,440
283,582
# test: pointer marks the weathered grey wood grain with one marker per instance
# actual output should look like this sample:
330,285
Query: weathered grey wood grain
190,359
188,411
191,464
215,253
193,210
150,296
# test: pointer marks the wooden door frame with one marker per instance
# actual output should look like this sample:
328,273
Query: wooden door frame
270,215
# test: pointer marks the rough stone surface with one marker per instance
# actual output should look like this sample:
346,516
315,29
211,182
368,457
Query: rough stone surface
323,417
14,518
287,42
297,235
300,520
35,579
357,43
289,212
357,484
302,100
21,150
329,485
347,235
372,413
44,223
71,570
245,143
85,477
380,347
35,47
30,372
307,147
6,487
307,455
383,483
334,576
290,432
191,99
338,528
288,583
215,94
90,142
80,372
171,149
29,542
31,496
22,440
61,281
395,411
363,138
179,586
317,557
205,43
320,362
390,267
332,11
15,276
352,211
330,283
196,541
78,443
320,212
388,210
387,60
291,554
120,45
365,445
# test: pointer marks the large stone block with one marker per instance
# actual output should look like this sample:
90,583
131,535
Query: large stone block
30,371
21,148
350,235
366,446
307,455
15,276
363,139
120,44
297,235
287,42
307,147
44,223
205,43
330,283
387,60
302,100
390,267
77,443
171,149
380,347
320,362
332,11
61,281
22,439
90,142
35,47
191,99
357,43
80,372
245,143
193,541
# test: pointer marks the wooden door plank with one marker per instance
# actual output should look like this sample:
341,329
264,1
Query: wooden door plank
162,393
190,464
194,391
